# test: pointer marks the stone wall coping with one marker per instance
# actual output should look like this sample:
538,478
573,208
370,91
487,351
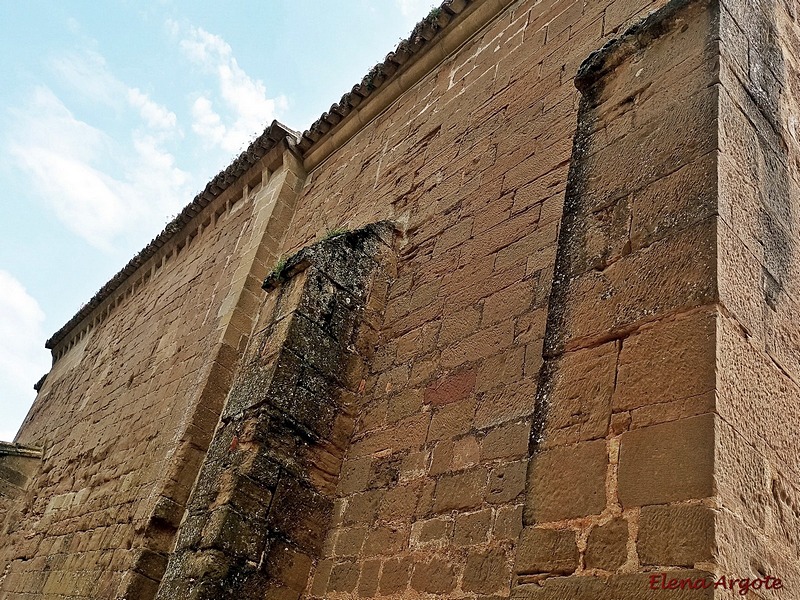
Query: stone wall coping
12,449
657,23
302,259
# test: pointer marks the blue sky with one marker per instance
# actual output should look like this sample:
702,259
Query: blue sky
112,119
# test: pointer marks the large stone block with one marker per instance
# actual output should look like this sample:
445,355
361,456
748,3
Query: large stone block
487,572
682,132
752,390
567,482
553,551
679,536
667,361
461,491
667,462
675,273
742,476
582,384
436,576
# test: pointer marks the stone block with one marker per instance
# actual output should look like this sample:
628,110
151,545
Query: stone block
368,581
677,272
583,382
507,403
665,412
679,536
344,577
505,367
435,531
742,476
385,471
300,514
506,482
150,564
406,434
400,502
691,123
135,586
750,553
472,528
487,572
403,404
459,324
608,545
395,575
322,575
507,522
455,387
667,361
362,508
436,576
567,482
553,551
752,390
506,441
667,463
681,198
461,491
234,534
441,458
466,452
355,475
349,541
284,564
386,539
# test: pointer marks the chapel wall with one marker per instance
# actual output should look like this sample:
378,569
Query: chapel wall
758,373
111,414
473,163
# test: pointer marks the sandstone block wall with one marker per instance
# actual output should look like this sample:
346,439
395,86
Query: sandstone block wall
128,410
622,479
257,518
112,410
570,365
757,331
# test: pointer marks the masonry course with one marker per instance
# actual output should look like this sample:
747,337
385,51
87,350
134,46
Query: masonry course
515,318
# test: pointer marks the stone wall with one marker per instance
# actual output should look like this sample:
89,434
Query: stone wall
757,331
622,477
567,369
257,519
475,163
128,410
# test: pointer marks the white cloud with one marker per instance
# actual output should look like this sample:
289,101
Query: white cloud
23,360
207,123
100,187
155,115
87,73
246,108
58,150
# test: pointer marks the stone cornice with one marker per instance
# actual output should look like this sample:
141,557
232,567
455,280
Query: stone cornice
12,449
